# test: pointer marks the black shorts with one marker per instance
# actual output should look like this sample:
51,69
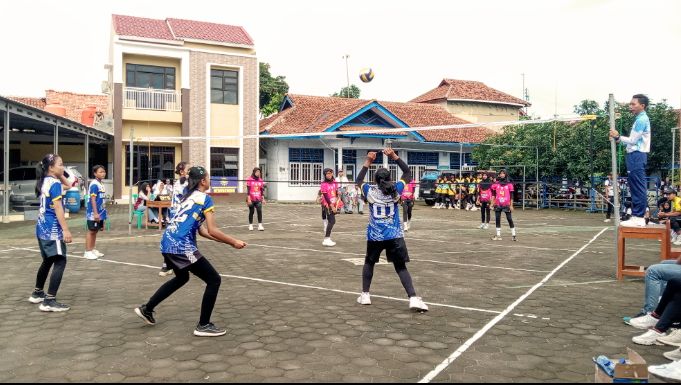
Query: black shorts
95,225
506,209
51,248
395,250
181,261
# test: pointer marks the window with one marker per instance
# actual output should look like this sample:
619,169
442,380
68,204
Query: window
224,162
224,87
305,165
150,164
424,158
467,160
146,76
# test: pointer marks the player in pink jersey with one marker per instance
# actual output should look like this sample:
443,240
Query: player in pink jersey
407,199
484,200
255,186
331,203
502,200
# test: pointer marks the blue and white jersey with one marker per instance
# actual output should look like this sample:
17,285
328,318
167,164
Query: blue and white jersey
48,227
384,213
639,139
179,191
180,236
99,193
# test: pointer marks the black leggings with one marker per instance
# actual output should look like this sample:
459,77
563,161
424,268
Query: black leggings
202,269
485,212
330,215
400,269
611,207
59,263
407,206
669,307
251,210
508,217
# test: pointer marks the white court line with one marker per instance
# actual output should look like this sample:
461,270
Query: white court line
307,287
463,348
574,283
481,266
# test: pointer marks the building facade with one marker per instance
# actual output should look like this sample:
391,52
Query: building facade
184,91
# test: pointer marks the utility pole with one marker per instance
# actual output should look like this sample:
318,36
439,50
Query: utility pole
347,76
615,179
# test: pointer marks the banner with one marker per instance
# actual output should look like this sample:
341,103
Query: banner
223,185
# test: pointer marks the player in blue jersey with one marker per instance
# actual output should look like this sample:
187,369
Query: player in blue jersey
52,232
179,249
179,191
385,231
96,212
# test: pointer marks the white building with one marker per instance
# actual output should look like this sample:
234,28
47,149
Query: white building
294,165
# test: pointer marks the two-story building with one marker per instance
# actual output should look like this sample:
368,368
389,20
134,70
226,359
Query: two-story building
474,101
181,89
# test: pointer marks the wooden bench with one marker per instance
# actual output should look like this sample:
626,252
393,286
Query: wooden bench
656,232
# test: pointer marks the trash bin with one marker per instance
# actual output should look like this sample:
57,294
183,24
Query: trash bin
72,201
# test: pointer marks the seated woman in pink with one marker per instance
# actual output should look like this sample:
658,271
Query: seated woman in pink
331,203
255,186
502,200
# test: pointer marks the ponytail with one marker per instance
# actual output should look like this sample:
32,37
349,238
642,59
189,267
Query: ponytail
42,169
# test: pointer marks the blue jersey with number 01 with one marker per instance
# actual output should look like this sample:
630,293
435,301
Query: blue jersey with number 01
384,214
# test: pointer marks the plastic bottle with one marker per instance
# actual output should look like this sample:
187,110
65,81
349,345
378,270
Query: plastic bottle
605,364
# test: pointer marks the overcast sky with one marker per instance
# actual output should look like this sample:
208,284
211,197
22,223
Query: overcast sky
569,49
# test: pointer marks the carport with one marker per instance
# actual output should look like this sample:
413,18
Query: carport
36,132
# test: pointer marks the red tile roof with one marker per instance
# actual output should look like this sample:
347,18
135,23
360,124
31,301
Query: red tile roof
180,30
317,114
199,30
452,89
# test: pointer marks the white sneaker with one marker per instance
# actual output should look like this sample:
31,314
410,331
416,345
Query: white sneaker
364,299
90,255
328,242
671,371
497,238
406,226
674,236
260,227
482,226
474,208
250,227
417,304
606,220
634,222
672,339
677,242
486,226
97,253
648,338
674,355
643,322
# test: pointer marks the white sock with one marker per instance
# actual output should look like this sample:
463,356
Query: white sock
498,232
513,231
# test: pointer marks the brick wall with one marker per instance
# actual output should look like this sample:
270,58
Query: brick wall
199,106
76,103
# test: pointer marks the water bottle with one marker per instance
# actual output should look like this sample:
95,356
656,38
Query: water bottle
605,364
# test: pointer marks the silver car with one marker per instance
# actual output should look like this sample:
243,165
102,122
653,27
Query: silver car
22,184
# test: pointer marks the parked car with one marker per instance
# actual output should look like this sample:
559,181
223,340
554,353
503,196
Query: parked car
22,183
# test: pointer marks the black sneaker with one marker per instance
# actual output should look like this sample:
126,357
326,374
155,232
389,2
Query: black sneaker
209,330
147,316
51,304
37,297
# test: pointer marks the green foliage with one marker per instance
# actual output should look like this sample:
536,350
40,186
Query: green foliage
272,91
565,148
351,92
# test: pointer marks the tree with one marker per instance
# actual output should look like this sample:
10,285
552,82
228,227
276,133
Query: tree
272,91
351,92
571,154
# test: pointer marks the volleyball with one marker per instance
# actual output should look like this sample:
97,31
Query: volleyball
366,75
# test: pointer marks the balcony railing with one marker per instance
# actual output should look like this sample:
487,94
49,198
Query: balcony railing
152,99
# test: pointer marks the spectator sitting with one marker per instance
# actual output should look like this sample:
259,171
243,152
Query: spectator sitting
141,204
668,312
674,216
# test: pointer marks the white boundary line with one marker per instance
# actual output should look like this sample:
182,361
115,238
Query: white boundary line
463,348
